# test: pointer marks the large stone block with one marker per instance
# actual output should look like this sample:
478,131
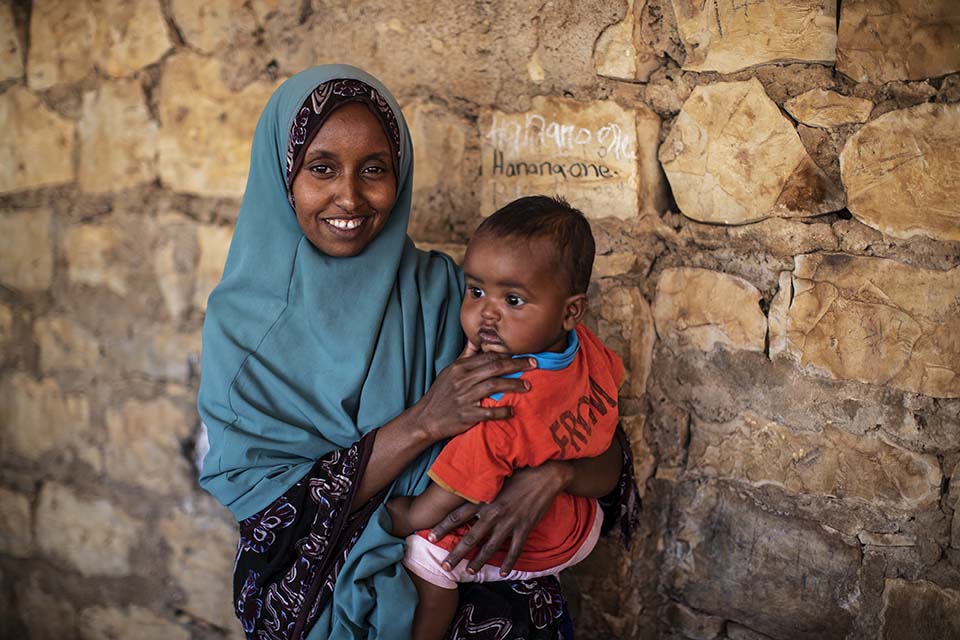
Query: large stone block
732,157
118,138
11,52
214,242
822,108
599,155
919,609
16,538
830,462
26,250
901,172
38,418
159,352
621,52
871,319
37,145
883,40
782,576
45,612
730,35
66,345
213,26
701,309
625,324
175,260
68,38
92,253
90,535
109,623
206,128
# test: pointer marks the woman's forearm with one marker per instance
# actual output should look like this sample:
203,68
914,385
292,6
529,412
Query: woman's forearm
595,477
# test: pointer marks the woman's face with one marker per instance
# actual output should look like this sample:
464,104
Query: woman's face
346,185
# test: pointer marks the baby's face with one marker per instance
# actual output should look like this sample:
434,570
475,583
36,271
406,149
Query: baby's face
516,297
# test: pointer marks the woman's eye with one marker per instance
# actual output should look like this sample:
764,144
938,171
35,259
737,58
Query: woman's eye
321,169
475,292
515,301
375,171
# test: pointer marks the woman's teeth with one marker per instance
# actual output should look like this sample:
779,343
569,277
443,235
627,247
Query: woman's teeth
345,223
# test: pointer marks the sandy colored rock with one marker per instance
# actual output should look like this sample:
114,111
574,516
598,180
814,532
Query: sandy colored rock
158,352
621,52
16,538
644,461
70,528
91,251
26,250
143,446
214,244
46,615
11,52
196,157
919,609
732,158
836,463
692,624
700,309
822,108
902,172
201,562
614,264
883,40
625,325
38,418
6,323
37,145
107,623
874,320
65,344
730,35
586,152
212,26
68,39
118,138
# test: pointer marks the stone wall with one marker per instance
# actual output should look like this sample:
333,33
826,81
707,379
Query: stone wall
774,189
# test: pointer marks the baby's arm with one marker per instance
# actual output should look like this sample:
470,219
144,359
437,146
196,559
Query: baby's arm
411,514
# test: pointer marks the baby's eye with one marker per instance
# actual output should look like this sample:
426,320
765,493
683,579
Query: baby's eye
475,292
514,300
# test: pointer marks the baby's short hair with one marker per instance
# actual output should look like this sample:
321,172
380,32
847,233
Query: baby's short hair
552,219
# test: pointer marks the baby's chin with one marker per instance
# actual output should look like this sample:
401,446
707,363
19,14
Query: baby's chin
488,347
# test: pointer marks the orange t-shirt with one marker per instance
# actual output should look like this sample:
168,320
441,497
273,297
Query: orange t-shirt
570,412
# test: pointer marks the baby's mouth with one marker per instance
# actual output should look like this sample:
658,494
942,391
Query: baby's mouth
488,336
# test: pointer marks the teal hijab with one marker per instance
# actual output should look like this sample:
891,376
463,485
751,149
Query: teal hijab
303,354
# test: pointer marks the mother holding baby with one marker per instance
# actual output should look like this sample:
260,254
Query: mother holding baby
331,374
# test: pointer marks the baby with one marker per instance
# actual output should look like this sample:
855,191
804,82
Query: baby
527,268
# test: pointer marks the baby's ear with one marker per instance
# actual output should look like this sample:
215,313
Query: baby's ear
574,310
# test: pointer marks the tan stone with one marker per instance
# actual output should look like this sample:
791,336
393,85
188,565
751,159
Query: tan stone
214,244
732,157
822,108
105,623
118,138
212,26
644,463
586,152
625,324
832,463
206,128
158,352
730,35
902,172
67,39
455,251
621,53
11,53
26,250
143,446
6,323
37,145
613,264
700,309
65,345
16,538
201,562
919,609
439,139
90,535
45,614
874,320
91,252
692,624
38,418
883,40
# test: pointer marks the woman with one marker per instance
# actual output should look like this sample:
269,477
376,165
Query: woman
329,377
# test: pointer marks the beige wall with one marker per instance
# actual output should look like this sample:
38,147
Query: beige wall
774,194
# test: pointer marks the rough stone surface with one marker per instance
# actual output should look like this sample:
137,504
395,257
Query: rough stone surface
26,250
730,35
118,138
874,320
589,153
65,344
883,40
214,242
822,108
38,145
193,94
732,157
723,538
902,172
832,462
690,623
92,257
621,52
69,529
158,352
16,538
919,609
45,614
11,52
39,418
104,623
644,462
625,324
700,309
211,26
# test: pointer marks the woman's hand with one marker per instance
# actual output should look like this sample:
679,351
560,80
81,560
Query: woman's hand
452,404
525,497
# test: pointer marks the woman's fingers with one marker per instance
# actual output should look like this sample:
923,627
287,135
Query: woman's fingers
459,516
477,533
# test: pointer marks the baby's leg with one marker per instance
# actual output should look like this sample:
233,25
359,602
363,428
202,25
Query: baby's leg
435,611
